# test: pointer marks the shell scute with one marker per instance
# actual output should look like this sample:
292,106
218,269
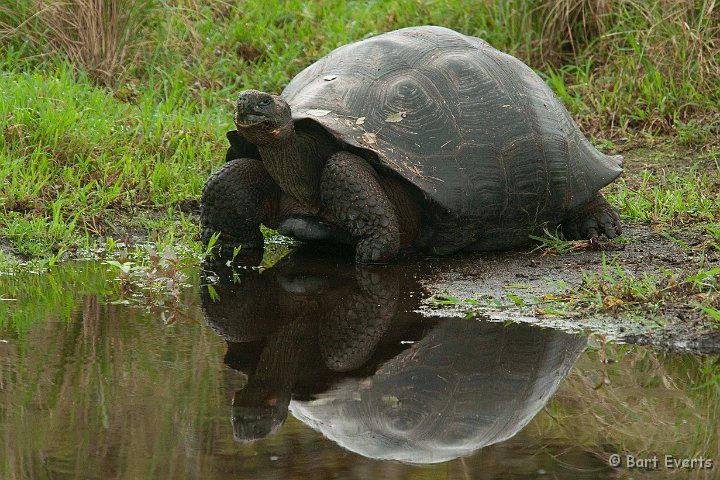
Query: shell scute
473,128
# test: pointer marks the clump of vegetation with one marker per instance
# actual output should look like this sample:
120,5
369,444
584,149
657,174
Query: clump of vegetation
553,243
614,290
669,197
648,66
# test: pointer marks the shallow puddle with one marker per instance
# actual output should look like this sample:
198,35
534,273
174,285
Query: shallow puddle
315,368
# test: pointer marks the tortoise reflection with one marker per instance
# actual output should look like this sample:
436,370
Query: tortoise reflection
340,346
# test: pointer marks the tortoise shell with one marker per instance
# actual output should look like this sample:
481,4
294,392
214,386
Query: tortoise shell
463,386
473,128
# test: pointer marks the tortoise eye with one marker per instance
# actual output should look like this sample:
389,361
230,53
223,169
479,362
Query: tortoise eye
265,102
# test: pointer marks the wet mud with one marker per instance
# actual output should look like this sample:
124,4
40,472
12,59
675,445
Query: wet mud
676,325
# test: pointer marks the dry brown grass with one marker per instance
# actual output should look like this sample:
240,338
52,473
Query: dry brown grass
103,36
571,24
644,65
687,28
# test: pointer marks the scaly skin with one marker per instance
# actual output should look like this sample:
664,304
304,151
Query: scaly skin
350,188
236,200
592,219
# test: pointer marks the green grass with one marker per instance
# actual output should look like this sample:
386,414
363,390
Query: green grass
111,132
615,290
76,161
670,198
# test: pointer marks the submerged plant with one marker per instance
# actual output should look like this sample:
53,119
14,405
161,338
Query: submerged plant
153,279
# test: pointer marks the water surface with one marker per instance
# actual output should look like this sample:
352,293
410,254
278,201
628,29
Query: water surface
315,368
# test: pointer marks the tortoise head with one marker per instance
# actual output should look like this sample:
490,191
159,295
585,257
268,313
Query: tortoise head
258,412
261,117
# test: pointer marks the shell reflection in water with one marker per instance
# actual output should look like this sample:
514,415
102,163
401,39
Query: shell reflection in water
340,347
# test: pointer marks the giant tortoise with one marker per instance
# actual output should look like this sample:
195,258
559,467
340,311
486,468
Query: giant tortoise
421,137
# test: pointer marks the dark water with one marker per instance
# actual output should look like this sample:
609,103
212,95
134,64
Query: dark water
315,368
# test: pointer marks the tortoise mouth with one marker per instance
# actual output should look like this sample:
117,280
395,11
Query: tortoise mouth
250,119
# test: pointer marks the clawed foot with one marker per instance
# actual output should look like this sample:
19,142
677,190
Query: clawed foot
350,188
377,250
593,219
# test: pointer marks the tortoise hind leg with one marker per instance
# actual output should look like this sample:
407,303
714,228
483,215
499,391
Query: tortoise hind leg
350,188
236,199
591,220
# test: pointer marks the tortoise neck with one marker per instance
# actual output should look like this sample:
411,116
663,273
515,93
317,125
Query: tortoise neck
294,165
282,359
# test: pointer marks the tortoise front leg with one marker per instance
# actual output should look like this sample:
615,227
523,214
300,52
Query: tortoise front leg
351,190
350,332
236,199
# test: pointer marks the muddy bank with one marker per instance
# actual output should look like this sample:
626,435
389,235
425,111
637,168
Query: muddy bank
513,286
